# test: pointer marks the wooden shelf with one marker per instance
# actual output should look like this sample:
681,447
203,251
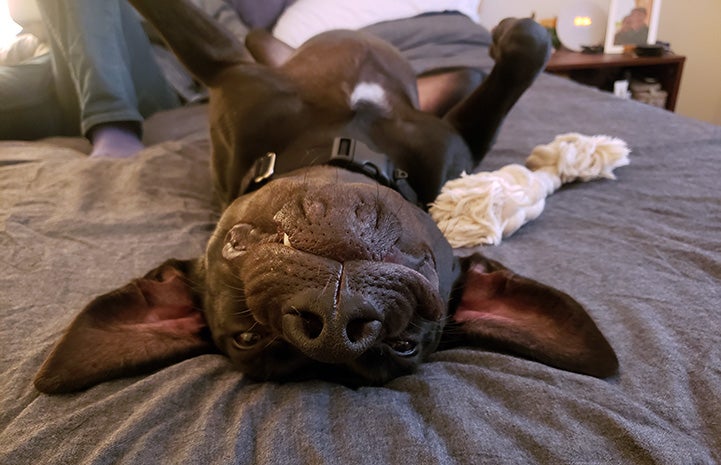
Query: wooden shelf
602,70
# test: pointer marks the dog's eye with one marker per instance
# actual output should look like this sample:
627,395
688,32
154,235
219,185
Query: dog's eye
239,238
404,348
421,261
247,340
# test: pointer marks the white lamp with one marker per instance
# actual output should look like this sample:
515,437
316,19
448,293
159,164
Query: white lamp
581,23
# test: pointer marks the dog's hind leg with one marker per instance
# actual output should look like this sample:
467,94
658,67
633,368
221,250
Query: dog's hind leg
521,48
266,49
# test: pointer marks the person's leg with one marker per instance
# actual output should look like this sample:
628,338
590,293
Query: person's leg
440,90
153,91
106,77
28,106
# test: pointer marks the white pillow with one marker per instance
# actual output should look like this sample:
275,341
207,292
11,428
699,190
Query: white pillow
306,18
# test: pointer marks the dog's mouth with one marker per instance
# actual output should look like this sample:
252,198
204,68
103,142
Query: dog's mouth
273,358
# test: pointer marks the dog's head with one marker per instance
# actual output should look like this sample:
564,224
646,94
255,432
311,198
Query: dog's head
327,270
326,275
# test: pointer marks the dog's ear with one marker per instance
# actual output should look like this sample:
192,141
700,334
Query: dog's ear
502,310
151,322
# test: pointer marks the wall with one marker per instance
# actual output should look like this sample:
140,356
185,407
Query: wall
492,11
690,25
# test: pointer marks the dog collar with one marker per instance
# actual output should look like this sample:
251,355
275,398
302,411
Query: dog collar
350,154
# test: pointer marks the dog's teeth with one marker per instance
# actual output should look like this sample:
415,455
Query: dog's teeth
286,240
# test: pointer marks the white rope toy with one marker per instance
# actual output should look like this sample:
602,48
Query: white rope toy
485,207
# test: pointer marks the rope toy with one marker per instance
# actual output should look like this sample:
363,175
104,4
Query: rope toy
485,207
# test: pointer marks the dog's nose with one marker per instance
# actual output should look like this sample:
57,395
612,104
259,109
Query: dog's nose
336,337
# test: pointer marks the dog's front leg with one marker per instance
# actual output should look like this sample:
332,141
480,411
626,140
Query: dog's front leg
521,48
202,45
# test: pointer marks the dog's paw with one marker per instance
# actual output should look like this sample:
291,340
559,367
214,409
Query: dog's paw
521,43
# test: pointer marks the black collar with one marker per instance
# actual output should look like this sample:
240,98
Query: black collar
347,153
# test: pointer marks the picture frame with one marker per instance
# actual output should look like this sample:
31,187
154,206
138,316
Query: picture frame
631,22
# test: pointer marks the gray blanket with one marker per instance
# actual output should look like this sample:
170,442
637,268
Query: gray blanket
643,253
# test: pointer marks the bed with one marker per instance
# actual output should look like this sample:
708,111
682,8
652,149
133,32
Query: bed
642,253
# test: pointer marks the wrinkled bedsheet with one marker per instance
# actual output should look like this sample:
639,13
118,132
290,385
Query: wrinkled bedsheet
642,253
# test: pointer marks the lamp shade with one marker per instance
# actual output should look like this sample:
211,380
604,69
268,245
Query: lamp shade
581,23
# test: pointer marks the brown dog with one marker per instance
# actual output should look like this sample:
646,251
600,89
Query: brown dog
323,264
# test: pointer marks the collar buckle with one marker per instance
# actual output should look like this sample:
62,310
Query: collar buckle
260,172
264,168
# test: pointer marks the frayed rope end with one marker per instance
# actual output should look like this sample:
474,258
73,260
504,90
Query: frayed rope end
483,208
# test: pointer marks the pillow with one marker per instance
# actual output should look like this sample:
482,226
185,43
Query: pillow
306,18
259,14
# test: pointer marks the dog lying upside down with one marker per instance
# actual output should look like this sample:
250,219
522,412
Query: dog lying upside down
324,262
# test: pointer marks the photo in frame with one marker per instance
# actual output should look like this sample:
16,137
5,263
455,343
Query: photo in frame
631,22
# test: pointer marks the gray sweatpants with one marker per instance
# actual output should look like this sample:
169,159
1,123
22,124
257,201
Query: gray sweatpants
100,69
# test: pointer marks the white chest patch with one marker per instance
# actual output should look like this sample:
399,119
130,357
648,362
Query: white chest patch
369,92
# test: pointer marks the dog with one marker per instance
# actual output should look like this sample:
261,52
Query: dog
325,263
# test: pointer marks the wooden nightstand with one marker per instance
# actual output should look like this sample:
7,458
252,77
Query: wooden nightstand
602,70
